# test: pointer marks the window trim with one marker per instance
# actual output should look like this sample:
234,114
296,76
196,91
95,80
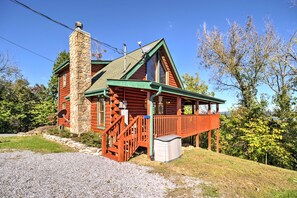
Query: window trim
64,103
64,80
100,99
159,63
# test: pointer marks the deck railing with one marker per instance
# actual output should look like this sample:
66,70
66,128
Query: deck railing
185,125
110,135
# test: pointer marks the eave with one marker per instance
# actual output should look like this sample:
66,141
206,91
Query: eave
66,64
154,86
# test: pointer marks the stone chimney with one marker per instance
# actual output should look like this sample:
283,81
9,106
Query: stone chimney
80,80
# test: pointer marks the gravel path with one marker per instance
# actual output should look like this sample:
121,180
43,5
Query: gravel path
27,174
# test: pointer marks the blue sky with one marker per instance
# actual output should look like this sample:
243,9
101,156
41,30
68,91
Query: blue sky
118,22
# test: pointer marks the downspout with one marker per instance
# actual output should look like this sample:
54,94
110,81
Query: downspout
152,121
105,94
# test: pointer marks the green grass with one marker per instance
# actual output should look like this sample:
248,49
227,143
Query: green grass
32,143
227,176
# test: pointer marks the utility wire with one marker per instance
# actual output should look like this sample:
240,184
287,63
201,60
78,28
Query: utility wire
65,26
26,49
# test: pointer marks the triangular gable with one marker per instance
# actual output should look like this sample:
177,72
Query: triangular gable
163,44
115,69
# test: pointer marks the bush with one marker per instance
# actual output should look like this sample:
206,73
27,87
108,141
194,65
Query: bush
90,139
61,133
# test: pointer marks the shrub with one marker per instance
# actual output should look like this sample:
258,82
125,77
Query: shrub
90,139
61,133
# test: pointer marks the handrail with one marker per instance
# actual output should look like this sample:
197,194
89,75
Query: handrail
115,122
128,127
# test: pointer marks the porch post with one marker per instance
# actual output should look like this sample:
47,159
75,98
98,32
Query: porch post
148,95
209,108
209,140
197,113
178,112
218,131
209,132
218,140
197,108
197,140
217,108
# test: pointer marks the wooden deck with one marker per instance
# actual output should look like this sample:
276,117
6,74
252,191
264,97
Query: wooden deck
120,142
185,125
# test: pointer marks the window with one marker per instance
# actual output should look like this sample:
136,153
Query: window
162,74
101,112
151,68
155,70
64,79
64,105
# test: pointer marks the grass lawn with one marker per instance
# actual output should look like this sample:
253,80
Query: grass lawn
32,143
226,176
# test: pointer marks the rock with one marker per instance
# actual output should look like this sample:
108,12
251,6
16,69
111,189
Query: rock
73,144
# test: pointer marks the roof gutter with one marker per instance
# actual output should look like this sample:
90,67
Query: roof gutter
152,121
95,92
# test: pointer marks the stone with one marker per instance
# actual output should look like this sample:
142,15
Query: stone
73,144
80,80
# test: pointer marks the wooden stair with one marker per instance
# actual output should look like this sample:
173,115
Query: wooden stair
119,143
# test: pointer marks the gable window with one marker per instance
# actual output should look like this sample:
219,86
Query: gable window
64,79
101,113
155,70
162,74
151,68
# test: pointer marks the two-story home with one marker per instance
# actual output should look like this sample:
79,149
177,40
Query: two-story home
130,100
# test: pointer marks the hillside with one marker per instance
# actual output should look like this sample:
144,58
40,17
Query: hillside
226,176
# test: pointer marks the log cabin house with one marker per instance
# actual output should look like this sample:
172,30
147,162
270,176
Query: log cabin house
130,100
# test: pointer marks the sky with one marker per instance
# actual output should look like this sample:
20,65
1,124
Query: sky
117,22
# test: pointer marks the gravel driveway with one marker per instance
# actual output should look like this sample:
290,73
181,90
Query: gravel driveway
27,174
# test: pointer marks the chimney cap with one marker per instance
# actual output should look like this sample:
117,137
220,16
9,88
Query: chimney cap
79,25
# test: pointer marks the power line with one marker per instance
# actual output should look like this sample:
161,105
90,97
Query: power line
26,49
65,26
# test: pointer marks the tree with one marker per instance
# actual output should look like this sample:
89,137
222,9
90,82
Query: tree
195,84
280,76
43,110
254,134
238,59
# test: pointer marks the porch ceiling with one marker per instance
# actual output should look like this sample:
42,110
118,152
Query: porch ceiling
154,86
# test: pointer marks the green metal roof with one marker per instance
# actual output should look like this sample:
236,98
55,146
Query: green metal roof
62,66
115,69
149,85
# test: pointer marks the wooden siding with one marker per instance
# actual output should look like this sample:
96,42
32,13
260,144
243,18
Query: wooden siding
140,73
170,107
63,92
95,68
172,78
94,114
135,100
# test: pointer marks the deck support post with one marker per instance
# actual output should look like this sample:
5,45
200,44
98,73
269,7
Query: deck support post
218,140
197,140
178,112
209,140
